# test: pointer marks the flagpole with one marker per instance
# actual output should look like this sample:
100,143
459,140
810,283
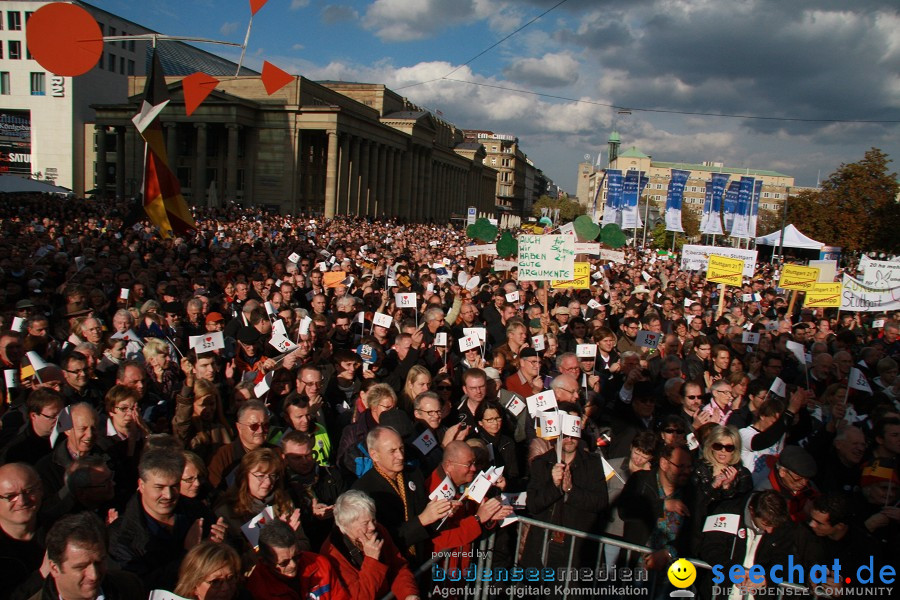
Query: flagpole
244,47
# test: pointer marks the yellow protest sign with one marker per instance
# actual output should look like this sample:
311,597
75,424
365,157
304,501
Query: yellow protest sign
823,295
582,279
722,269
795,277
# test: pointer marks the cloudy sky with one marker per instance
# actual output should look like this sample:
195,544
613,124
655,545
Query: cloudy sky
801,78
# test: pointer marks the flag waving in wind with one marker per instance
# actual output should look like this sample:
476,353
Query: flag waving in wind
163,201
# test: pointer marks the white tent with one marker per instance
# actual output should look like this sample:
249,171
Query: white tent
792,239
11,184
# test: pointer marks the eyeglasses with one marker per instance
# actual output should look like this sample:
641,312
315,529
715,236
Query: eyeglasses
260,477
127,409
31,493
83,371
683,467
468,466
722,391
693,396
49,417
284,563
316,383
573,392
254,427
723,447
190,480
430,413
493,420
221,581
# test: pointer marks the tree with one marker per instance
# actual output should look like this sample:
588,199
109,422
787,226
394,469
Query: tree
856,208
568,209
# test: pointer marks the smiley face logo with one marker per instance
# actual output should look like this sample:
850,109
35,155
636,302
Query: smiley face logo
682,573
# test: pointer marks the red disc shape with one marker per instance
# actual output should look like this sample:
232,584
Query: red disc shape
64,38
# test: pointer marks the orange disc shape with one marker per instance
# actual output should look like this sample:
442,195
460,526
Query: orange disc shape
64,39
274,78
196,88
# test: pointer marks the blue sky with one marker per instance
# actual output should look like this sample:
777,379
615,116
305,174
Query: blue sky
818,59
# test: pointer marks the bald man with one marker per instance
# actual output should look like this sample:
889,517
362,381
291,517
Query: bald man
465,525
81,440
21,548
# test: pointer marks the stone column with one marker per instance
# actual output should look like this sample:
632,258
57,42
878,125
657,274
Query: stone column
231,162
120,161
429,192
199,186
353,199
390,198
364,195
375,198
331,170
100,130
344,176
415,184
382,181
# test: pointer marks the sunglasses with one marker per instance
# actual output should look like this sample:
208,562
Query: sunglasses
694,397
255,426
720,447
673,430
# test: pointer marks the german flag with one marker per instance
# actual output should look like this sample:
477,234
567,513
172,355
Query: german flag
163,201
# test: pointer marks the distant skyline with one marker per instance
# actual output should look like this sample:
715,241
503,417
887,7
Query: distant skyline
820,60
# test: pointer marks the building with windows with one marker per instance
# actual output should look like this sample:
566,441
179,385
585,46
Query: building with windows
515,188
776,187
46,121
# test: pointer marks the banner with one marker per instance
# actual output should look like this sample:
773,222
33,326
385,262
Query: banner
754,207
880,273
731,202
695,258
722,269
741,226
823,295
612,213
715,189
546,257
796,277
674,198
631,192
15,142
858,297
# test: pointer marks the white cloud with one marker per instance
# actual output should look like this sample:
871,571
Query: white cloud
407,20
229,28
551,70
298,4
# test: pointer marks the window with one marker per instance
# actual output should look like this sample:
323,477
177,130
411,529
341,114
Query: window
131,67
100,61
15,49
112,30
4,83
28,16
124,43
121,65
102,27
112,62
14,20
38,84
765,194
777,196
131,45
1,21
493,162
493,148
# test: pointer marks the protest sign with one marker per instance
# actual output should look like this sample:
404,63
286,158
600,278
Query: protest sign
481,250
207,343
722,269
613,256
795,277
546,257
405,300
647,339
823,295
581,281
695,258
881,273
587,248
858,297
505,265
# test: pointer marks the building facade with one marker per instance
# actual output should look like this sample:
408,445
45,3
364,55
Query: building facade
319,148
514,191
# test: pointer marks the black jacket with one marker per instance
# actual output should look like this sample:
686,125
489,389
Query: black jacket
578,509
117,585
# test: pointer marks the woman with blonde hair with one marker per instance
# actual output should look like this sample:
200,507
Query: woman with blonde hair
418,380
199,421
163,376
259,483
210,571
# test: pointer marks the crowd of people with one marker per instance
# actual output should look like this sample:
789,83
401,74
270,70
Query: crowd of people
279,406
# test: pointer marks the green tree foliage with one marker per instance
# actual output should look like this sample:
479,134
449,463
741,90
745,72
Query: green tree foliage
856,208
568,209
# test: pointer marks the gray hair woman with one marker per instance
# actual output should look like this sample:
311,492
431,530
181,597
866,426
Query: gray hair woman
360,548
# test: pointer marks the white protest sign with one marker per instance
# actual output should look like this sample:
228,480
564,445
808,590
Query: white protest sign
270,309
587,248
481,250
778,388
859,297
12,378
426,442
512,297
647,339
405,300
505,265
538,343
282,344
260,389
468,342
517,499
164,595
586,350
478,489
613,256
493,474
278,328
252,527
567,229
881,274
858,381
382,320
294,257
445,490
18,324
827,269
594,304
550,424
479,332
725,523
571,425
877,323
207,343
546,257
124,293
515,405
305,322
797,350
440,339
544,401
749,338
695,258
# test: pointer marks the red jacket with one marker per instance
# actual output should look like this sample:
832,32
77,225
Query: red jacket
317,579
374,578
796,502
459,530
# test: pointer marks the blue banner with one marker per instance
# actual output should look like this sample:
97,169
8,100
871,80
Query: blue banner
715,189
630,193
730,205
741,226
754,207
612,210
674,199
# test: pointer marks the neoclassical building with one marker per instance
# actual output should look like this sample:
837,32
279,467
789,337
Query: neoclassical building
322,148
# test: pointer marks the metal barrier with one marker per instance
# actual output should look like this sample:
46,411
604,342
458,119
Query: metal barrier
481,588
